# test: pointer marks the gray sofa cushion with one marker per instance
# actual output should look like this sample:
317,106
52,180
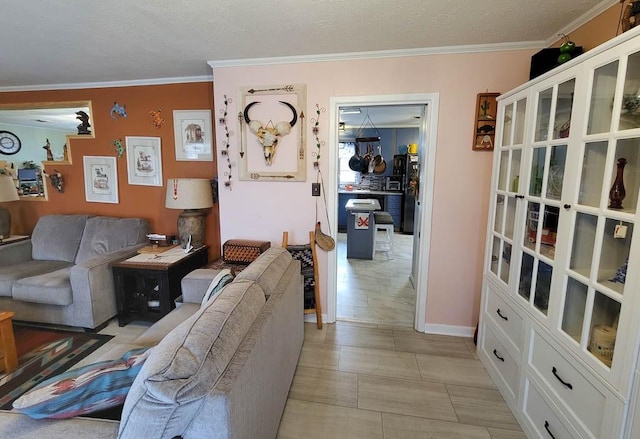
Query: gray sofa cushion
188,362
160,329
195,284
104,235
267,269
57,237
10,274
52,288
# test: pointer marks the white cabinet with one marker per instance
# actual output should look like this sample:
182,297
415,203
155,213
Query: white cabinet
562,257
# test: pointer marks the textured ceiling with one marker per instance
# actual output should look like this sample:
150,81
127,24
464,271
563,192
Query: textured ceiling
45,42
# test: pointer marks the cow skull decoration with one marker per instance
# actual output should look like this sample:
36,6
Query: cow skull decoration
269,135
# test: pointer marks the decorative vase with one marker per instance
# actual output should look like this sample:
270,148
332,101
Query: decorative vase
617,192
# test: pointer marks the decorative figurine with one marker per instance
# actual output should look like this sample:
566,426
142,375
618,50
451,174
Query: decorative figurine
84,126
47,147
56,180
117,110
618,192
268,135
156,118
117,144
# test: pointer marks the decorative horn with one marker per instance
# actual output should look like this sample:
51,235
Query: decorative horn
293,110
246,111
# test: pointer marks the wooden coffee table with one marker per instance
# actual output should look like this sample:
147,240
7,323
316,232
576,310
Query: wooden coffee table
8,357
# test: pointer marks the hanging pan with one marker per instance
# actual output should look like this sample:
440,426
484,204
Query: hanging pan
379,164
366,159
354,161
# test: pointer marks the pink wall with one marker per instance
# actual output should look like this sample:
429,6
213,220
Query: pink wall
262,210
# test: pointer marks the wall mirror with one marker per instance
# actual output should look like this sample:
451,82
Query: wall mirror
36,135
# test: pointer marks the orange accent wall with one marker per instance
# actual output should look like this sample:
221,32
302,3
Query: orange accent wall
134,201
596,31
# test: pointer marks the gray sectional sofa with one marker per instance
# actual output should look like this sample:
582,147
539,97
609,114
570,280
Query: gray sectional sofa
62,274
219,370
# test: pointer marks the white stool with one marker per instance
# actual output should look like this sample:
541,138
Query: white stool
383,221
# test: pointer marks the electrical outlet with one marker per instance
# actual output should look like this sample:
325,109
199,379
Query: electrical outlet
315,189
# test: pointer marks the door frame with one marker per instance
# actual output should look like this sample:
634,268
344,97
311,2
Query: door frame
427,150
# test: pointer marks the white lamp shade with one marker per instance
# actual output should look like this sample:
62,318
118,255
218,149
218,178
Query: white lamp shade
189,193
8,190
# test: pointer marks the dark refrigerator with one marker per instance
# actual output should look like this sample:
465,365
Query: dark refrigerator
409,207
407,166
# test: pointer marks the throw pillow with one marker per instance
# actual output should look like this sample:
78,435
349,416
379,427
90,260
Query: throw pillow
224,277
84,390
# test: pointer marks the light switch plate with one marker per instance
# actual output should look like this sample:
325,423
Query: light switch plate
315,189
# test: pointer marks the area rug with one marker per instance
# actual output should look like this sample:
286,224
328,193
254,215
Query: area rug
42,354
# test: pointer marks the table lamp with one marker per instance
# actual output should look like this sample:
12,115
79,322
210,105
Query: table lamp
8,192
192,195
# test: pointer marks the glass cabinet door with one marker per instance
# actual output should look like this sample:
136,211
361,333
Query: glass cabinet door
602,219
509,159
543,192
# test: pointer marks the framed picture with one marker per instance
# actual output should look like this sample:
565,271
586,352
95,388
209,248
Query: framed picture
193,135
273,133
100,179
144,161
484,130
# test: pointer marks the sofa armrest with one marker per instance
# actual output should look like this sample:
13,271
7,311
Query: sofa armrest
92,287
195,284
15,253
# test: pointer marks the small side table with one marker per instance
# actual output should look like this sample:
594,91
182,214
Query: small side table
13,238
8,357
147,284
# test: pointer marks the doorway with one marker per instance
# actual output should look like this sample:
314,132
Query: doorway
413,249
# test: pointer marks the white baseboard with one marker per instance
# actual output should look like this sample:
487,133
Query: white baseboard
456,331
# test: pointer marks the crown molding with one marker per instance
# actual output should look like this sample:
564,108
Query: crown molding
107,84
582,20
346,56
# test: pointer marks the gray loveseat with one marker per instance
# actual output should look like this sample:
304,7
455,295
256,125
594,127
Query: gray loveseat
220,370
61,275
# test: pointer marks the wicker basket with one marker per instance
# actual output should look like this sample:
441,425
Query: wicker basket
243,251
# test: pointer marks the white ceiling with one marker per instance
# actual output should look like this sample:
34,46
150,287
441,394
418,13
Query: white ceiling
45,43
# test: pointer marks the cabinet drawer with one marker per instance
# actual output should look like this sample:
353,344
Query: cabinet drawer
578,390
504,316
506,366
543,418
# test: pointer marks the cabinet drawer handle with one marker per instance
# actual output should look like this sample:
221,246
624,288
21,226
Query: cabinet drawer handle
546,427
495,352
567,206
520,197
501,316
555,373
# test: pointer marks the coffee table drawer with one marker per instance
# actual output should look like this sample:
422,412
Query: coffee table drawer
504,316
581,393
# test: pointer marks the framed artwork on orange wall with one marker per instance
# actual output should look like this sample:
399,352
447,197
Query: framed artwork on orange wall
484,129
100,179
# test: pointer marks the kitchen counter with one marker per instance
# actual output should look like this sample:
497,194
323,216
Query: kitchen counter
368,192
361,230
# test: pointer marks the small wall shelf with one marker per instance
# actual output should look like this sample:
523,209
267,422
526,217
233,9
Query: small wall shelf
484,129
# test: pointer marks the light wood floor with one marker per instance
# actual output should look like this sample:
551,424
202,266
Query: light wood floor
371,375
376,291
361,381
